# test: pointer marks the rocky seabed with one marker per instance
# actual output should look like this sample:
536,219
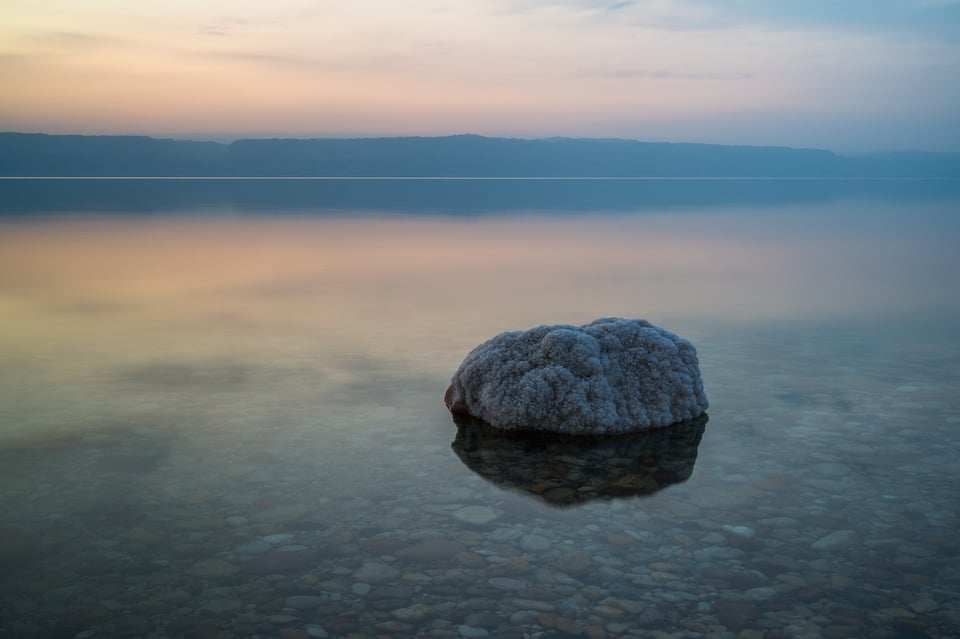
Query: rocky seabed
838,520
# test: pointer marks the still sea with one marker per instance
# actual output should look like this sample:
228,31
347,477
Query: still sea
221,410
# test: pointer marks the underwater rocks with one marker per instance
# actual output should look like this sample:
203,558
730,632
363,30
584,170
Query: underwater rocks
612,375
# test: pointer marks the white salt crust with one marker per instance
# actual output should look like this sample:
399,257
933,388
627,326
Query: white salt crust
612,375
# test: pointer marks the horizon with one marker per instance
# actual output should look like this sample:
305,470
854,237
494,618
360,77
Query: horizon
851,78
229,139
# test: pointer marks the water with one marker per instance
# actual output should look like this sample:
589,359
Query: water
221,410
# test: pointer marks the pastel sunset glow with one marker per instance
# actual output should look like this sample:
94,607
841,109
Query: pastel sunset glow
839,75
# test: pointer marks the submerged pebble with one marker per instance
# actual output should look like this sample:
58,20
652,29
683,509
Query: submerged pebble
825,512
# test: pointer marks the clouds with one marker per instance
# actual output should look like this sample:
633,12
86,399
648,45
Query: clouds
222,27
662,74
931,18
634,68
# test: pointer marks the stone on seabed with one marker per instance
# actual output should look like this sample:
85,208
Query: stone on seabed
610,376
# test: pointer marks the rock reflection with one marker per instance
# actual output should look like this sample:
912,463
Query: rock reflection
569,470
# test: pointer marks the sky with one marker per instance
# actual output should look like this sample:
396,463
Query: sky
846,75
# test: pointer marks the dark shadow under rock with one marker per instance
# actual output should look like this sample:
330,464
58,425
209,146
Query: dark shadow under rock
568,470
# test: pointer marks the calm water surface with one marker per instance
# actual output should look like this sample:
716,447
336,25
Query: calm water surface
221,411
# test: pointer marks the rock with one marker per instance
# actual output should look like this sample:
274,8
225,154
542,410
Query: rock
839,631
717,553
316,631
522,617
609,376
375,572
501,535
391,592
734,614
280,561
217,606
430,550
257,547
534,543
475,514
506,583
762,593
834,469
212,569
923,605
836,539
532,604
609,611
740,531
509,568
130,626
303,602
280,514
412,614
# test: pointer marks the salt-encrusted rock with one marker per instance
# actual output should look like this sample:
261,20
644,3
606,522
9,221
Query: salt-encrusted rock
612,375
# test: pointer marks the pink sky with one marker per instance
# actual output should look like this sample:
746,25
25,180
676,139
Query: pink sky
679,70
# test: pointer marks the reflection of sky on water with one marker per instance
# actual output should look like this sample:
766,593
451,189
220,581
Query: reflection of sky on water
344,272
310,309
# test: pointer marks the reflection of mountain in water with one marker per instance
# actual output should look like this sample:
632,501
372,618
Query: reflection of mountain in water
444,197
566,470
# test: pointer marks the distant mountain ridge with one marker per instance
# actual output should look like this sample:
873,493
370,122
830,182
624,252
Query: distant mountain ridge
42,155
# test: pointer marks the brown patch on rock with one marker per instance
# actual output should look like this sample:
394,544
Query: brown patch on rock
457,408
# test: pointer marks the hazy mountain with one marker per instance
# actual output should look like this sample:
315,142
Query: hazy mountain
26,154
100,155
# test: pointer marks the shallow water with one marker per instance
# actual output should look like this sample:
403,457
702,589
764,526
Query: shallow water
221,411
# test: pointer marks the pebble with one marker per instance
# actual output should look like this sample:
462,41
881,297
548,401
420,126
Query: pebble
303,602
717,553
503,535
223,605
522,618
412,614
740,531
506,583
212,569
835,540
375,572
130,626
477,515
534,543
257,547
831,468
761,594
924,605
430,550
